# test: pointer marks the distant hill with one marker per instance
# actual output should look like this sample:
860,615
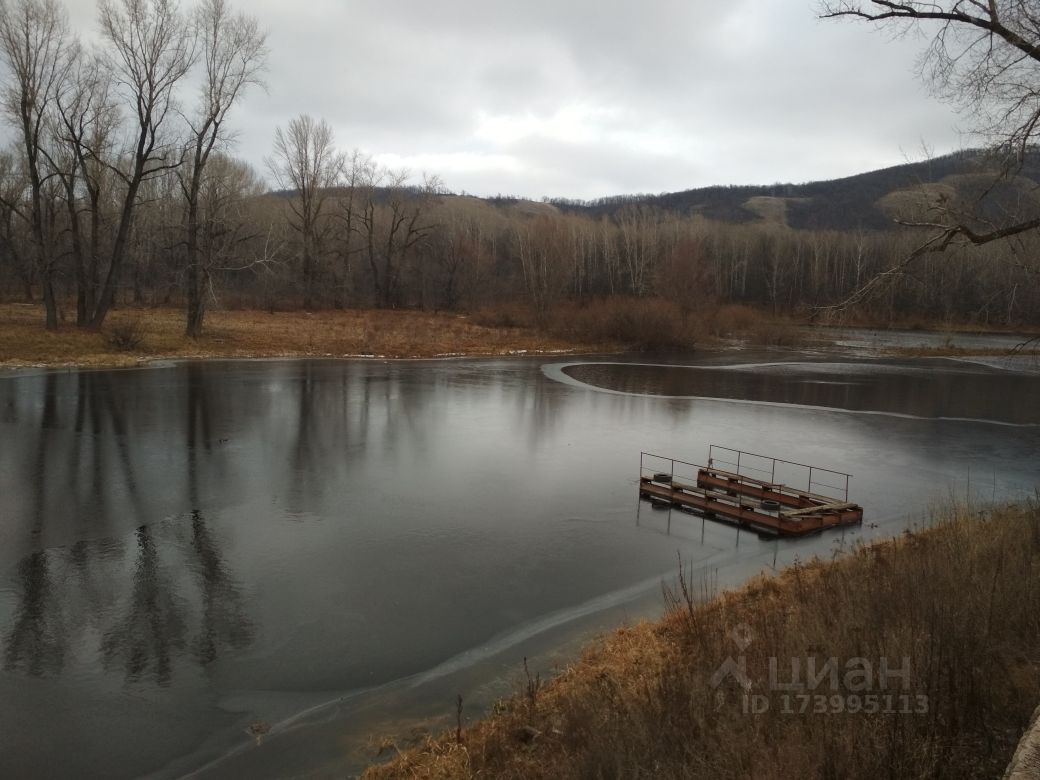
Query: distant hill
866,200
970,179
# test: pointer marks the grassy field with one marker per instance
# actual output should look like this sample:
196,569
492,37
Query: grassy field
132,336
953,612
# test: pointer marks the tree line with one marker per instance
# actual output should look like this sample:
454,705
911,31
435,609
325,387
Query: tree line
102,131
121,188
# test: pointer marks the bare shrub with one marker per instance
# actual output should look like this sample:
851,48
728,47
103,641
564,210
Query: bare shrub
733,319
753,326
125,335
640,323
505,315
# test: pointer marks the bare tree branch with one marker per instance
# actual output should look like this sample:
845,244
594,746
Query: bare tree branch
984,57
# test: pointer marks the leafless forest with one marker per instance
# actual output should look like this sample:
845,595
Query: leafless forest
121,187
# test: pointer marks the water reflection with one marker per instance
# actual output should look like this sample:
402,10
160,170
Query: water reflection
152,625
36,642
224,621
135,597
111,555
135,600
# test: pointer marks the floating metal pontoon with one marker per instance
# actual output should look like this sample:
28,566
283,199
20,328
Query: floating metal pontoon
754,491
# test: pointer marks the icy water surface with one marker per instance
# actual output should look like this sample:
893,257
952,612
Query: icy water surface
328,547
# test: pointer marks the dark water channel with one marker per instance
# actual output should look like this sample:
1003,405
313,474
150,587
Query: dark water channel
333,548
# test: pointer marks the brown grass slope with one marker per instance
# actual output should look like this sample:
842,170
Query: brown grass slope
961,601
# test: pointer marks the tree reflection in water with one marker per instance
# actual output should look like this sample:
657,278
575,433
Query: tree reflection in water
137,602
115,483
151,615
153,625
36,642
224,621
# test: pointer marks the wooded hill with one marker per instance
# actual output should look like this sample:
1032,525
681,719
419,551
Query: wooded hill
864,201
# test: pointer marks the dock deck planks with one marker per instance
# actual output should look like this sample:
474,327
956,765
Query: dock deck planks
738,499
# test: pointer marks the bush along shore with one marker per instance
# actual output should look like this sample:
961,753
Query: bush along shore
916,657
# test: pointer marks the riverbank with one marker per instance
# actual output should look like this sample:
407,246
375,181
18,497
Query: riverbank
935,671
135,336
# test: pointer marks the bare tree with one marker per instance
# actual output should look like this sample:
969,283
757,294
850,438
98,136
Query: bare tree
540,246
226,228
12,189
358,173
457,250
393,220
233,54
984,57
151,49
685,276
85,126
34,49
639,244
306,163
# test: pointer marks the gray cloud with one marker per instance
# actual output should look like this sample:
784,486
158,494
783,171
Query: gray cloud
583,98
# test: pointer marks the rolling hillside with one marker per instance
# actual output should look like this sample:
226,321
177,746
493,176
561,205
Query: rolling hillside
867,200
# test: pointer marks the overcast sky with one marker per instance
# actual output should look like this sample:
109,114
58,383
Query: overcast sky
584,98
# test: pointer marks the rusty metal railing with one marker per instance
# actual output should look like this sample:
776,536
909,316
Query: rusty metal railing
817,479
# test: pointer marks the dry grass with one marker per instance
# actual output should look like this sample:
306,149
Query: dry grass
961,601
936,352
870,320
1030,346
230,334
